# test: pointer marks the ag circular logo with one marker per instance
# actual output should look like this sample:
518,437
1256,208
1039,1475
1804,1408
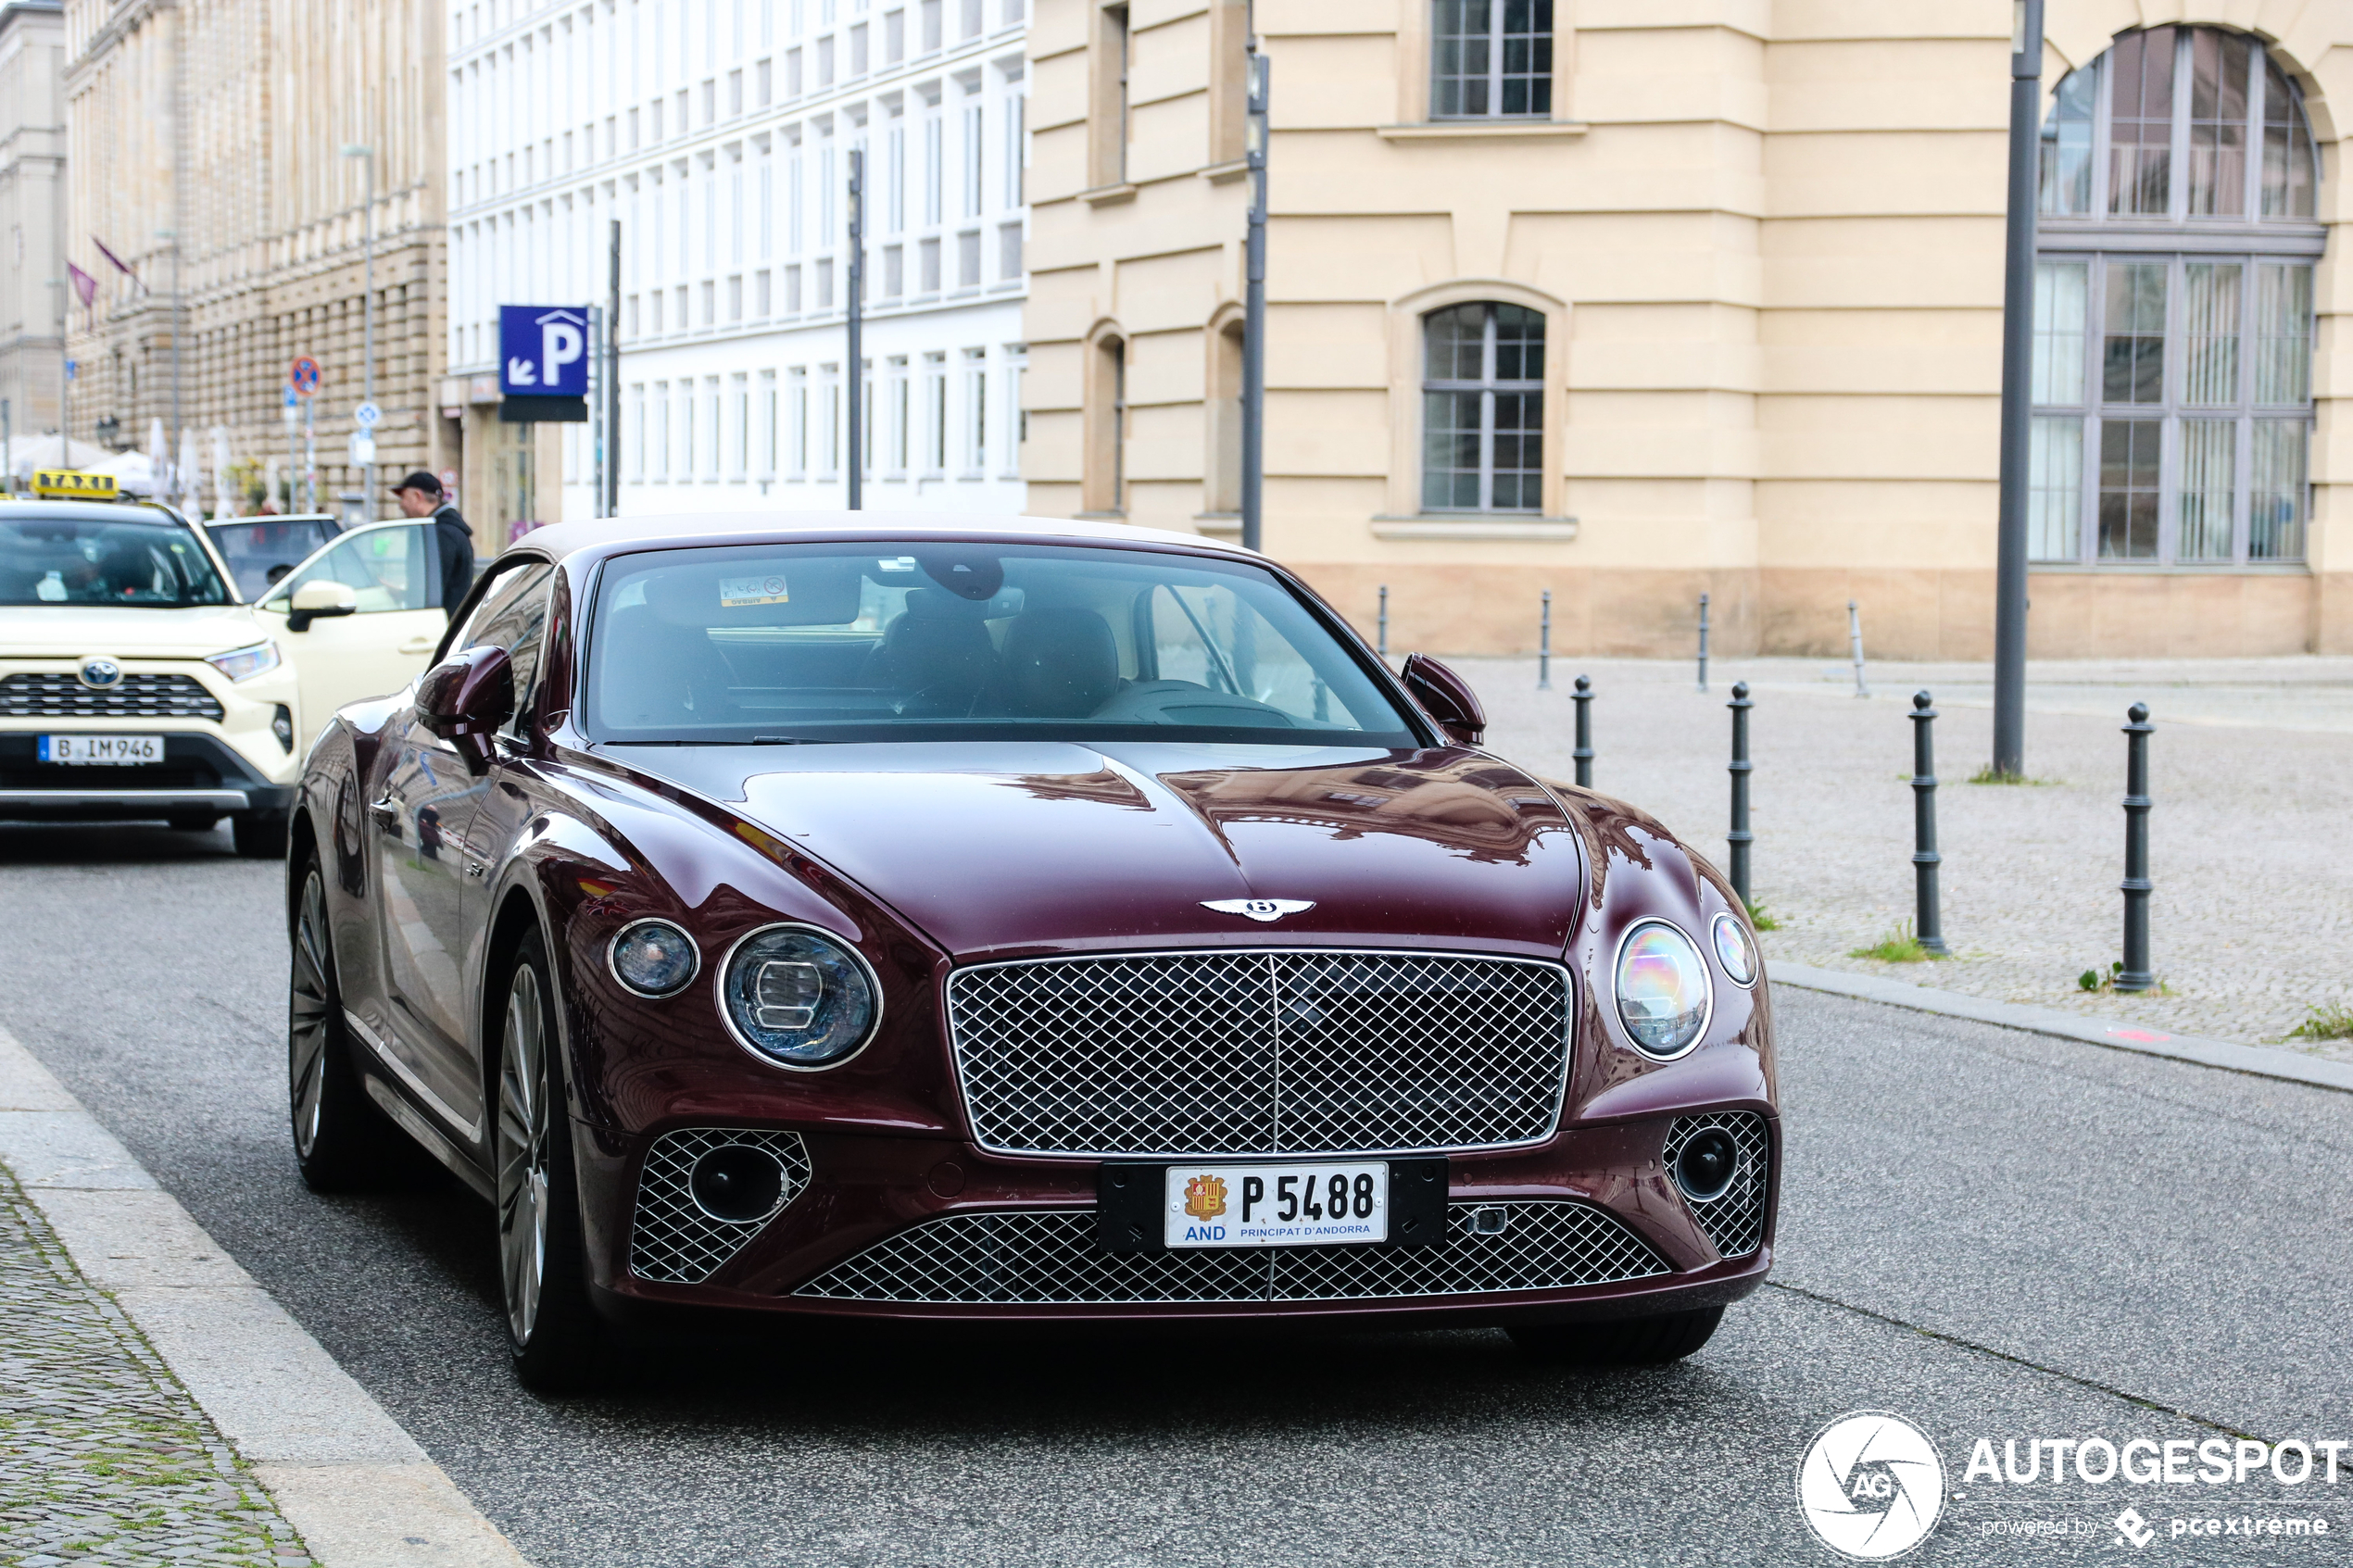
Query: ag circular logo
1872,1486
100,673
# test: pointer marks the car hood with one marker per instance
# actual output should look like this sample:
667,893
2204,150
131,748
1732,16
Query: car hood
78,631
996,849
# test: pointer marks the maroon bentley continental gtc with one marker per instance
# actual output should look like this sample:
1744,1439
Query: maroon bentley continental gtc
907,916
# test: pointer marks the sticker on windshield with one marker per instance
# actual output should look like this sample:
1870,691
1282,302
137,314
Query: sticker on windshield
736,593
897,563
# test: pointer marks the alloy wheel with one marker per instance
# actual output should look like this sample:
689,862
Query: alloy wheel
523,1154
310,1024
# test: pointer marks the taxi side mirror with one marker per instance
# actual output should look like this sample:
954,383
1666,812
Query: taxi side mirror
465,698
1446,698
319,601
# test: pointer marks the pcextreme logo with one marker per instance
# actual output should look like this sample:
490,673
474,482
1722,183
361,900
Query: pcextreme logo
1872,1486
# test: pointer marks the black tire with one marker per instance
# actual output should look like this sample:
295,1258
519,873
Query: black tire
261,834
553,1334
340,1140
193,822
1620,1342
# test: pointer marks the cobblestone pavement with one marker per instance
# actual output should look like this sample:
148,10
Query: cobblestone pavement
103,1456
2252,776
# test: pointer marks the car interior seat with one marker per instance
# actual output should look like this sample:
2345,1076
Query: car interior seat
1060,663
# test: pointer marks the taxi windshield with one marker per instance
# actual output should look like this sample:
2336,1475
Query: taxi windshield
138,560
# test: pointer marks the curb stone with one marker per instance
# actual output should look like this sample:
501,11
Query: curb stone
2263,1061
342,1473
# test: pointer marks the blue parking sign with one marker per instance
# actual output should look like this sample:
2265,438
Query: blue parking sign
543,350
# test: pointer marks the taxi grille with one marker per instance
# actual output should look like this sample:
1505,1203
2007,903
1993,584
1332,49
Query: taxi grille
1037,1258
1735,1221
1251,1051
62,696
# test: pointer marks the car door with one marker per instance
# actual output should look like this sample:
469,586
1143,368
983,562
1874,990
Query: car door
394,573
513,616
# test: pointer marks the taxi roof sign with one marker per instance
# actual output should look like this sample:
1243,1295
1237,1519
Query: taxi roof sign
63,483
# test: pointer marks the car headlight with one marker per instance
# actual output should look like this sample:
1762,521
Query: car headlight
1663,994
244,664
654,958
1734,950
798,997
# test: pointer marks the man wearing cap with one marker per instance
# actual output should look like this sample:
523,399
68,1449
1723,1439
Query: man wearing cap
419,496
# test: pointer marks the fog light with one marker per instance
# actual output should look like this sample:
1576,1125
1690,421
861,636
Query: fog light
1707,1165
737,1184
654,958
282,725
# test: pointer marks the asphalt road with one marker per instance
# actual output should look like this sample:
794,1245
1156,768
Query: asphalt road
1991,1233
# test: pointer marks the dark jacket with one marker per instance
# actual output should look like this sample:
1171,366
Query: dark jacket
455,540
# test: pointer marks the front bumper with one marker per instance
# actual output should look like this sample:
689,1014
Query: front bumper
199,772
1587,1227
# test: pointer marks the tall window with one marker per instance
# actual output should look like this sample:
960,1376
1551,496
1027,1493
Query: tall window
1490,58
1483,410
2173,307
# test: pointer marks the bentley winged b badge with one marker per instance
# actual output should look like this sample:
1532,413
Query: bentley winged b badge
1259,908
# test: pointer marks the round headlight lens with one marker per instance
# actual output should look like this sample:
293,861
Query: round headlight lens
654,958
798,997
1734,950
1662,989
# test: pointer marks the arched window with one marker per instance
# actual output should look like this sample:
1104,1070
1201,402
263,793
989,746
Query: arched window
1104,489
1483,410
2173,306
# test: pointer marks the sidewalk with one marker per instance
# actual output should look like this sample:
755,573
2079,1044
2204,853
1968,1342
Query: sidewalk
104,1456
2252,776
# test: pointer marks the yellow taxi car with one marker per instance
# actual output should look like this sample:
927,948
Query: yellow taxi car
136,683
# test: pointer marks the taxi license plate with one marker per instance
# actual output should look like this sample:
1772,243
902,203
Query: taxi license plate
1290,1205
104,749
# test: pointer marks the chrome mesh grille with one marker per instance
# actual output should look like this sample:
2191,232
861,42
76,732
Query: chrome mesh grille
673,1241
1260,1052
1735,1221
1048,1257
62,696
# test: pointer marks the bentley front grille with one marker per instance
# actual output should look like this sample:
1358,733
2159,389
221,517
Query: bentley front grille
62,696
1253,1051
1048,1257
675,1239
1734,1220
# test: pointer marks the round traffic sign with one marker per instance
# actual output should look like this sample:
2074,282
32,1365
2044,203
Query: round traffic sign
304,377
367,416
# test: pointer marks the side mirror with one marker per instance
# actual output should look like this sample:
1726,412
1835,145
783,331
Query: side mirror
1446,698
464,700
320,601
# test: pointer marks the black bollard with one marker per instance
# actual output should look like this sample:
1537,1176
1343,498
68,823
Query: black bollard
1383,645
1544,645
1584,752
1927,921
2135,976
1702,641
1740,837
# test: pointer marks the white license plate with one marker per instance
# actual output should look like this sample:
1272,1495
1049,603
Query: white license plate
102,748
1277,1205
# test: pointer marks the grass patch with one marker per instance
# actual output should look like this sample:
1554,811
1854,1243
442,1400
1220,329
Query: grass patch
1899,946
1988,775
1759,916
2093,979
2330,1021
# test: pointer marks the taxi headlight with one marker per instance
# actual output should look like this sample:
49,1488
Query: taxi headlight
798,997
1663,993
654,958
244,664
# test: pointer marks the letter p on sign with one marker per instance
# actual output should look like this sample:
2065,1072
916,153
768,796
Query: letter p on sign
543,350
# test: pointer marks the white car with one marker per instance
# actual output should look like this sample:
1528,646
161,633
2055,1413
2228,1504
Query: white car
136,682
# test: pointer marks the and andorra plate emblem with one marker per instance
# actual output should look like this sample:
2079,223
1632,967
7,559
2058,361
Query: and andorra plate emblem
1259,908
1277,1205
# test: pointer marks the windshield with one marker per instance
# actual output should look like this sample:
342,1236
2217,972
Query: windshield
261,550
813,643
140,559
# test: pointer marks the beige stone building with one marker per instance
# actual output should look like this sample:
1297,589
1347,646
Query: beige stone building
208,149
32,166
1638,299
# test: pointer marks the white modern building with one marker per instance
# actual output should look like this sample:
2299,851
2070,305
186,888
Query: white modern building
718,132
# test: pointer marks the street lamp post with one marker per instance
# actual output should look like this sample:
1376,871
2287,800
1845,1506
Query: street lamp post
368,316
1255,312
2018,359
857,326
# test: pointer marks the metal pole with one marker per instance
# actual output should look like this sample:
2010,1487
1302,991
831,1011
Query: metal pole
612,372
1702,641
1544,645
367,335
1739,838
2018,359
293,465
310,453
1584,752
1855,641
856,327
596,378
1254,311
180,183
2135,976
1927,921
1383,643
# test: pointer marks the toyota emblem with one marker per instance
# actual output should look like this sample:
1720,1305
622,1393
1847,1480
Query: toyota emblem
100,673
